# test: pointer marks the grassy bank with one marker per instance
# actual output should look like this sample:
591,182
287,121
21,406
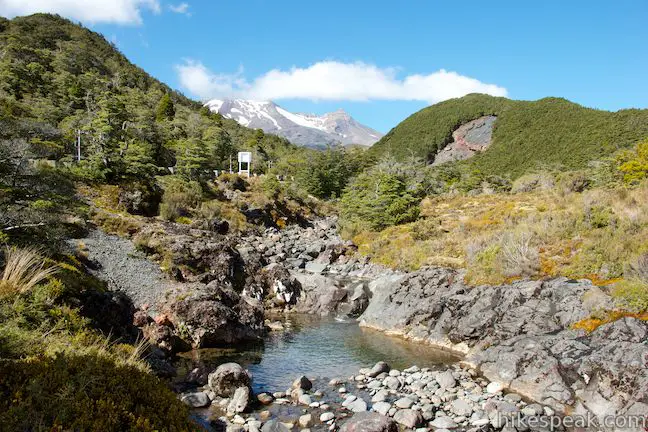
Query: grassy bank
597,234
57,372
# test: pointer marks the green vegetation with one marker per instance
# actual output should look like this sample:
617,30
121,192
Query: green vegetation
325,174
581,224
561,191
56,372
634,163
378,198
550,132
58,79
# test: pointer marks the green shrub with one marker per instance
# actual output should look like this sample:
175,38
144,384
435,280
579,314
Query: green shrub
378,199
325,174
574,181
57,373
541,180
632,295
233,182
425,229
180,197
89,392
210,209
633,164
272,187
599,216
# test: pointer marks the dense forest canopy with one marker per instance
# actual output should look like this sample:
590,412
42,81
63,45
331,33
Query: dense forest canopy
527,134
59,80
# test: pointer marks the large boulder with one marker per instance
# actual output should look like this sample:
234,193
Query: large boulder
227,378
283,288
321,295
193,254
601,374
435,305
214,316
369,422
521,335
326,295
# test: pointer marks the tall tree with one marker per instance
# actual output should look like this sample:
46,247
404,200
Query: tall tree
165,109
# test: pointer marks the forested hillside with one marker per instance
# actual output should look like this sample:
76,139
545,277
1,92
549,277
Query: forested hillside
528,134
58,78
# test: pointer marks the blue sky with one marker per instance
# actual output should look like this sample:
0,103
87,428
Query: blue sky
378,60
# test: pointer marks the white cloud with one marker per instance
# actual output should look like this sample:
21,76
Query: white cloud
182,8
91,11
332,80
201,82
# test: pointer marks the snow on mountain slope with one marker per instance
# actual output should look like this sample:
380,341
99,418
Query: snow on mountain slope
302,129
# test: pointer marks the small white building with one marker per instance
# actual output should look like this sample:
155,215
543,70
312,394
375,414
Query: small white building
245,163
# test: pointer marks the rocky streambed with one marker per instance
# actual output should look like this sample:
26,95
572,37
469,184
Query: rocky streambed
379,398
518,337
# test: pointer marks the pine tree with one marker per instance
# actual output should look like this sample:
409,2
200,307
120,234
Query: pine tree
165,109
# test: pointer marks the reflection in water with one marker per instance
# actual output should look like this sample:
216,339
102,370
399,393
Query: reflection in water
317,348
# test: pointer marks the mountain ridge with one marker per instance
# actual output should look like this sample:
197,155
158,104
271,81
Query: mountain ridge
527,135
311,130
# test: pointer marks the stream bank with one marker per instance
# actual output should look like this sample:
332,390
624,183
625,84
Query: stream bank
519,336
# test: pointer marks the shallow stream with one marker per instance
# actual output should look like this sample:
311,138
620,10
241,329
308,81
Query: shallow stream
318,348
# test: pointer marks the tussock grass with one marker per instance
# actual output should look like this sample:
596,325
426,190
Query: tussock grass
597,234
24,268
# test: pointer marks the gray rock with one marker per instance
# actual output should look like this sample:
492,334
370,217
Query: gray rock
196,400
302,383
392,383
443,423
374,385
380,396
359,405
538,366
316,267
520,334
408,418
378,368
461,408
381,407
324,417
348,400
433,304
265,398
404,403
274,425
239,401
446,379
305,399
227,378
369,422
305,420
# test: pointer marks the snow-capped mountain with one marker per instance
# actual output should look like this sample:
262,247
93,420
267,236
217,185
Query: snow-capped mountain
301,129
